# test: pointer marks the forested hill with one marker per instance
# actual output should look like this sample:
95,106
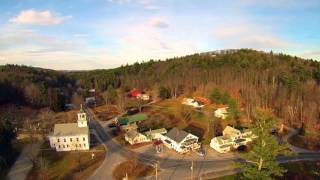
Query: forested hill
289,85
35,87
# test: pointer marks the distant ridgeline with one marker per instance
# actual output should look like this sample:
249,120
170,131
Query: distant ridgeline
288,85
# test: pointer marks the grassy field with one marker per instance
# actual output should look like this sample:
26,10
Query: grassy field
67,165
133,169
106,112
171,113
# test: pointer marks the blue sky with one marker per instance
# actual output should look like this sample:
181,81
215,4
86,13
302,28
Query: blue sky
95,34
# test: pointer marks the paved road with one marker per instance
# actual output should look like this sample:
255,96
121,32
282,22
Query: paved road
112,158
293,132
170,168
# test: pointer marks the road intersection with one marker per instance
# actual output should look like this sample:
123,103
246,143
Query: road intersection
170,167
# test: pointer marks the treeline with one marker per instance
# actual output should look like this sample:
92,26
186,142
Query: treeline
288,85
34,87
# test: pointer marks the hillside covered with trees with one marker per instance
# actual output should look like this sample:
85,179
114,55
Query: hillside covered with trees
290,86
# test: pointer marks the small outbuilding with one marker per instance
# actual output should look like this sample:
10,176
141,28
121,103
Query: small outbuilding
221,113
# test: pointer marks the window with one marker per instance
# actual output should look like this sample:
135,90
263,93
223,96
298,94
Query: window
58,140
84,145
77,139
70,139
76,145
64,146
67,145
59,146
84,138
64,140
79,145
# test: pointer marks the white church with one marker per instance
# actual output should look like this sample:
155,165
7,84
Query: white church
71,136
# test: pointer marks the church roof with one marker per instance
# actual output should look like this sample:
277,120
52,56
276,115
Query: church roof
69,129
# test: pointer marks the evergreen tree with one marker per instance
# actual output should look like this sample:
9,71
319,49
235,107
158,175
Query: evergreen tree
302,130
164,93
215,96
233,112
111,94
56,100
261,160
225,98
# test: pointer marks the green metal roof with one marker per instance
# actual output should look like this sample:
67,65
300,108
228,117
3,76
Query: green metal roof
123,120
137,117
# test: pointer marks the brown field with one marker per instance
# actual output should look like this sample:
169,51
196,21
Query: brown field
106,112
133,169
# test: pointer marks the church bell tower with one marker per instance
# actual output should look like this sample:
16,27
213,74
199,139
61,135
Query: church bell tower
82,118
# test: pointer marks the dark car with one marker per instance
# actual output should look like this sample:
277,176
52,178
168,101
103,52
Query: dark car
132,111
112,125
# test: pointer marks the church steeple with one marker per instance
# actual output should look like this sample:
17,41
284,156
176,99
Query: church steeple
82,118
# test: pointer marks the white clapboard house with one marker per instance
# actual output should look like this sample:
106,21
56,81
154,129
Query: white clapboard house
231,138
71,136
180,140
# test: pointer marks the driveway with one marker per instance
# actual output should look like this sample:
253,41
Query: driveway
293,132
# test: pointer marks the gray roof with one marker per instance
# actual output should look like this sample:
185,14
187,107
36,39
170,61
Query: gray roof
69,129
177,134
132,134
155,131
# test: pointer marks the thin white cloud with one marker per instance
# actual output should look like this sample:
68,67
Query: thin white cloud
313,54
249,35
146,4
158,22
32,16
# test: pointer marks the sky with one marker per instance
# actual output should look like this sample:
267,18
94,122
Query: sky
102,34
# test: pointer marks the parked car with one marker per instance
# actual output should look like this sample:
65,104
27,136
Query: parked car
112,125
132,111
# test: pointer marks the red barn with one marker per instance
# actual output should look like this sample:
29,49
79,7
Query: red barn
134,93
203,100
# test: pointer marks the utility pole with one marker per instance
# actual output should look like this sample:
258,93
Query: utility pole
192,170
157,171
